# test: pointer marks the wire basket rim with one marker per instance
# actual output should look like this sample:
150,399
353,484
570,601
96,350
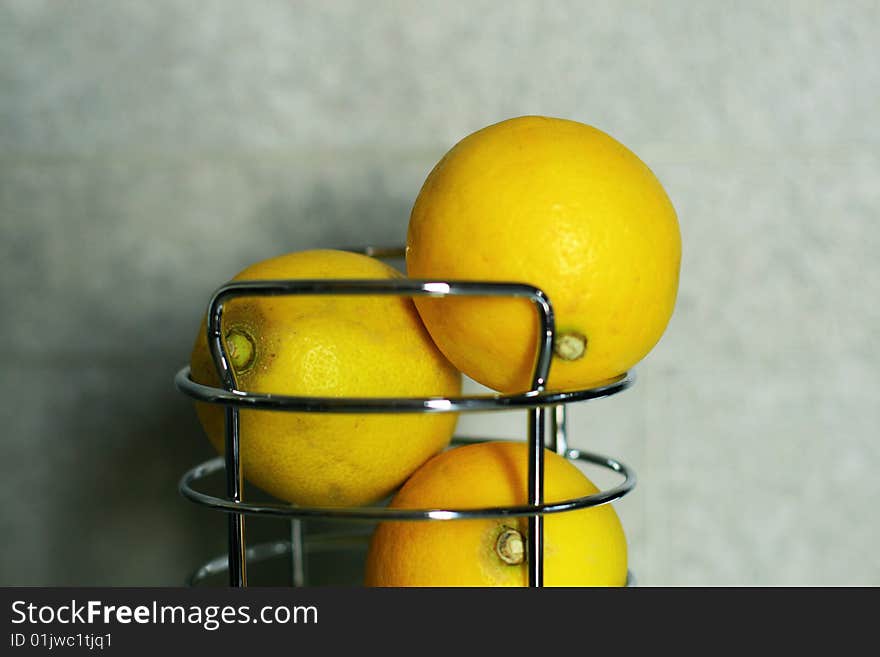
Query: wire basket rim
379,513
459,404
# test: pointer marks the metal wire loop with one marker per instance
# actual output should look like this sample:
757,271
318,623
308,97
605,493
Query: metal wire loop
380,513
462,404
383,287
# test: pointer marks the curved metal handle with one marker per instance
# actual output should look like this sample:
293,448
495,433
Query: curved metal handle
395,287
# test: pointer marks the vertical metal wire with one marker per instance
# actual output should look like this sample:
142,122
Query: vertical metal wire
232,451
559,444
536,430
237,554
297,553
536,496
559,430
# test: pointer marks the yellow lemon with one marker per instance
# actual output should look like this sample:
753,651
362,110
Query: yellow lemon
562,206
329,346
586,547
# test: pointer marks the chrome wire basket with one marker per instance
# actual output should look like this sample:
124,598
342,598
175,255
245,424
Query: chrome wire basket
546,427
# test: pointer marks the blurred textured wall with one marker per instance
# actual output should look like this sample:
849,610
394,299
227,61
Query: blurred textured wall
149,150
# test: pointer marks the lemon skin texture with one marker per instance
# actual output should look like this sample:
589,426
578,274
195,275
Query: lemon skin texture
328,346
562,206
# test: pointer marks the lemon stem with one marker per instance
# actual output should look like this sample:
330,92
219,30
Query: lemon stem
570,346
509,547
240,348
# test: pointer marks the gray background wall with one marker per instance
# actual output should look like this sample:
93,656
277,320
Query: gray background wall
149,150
